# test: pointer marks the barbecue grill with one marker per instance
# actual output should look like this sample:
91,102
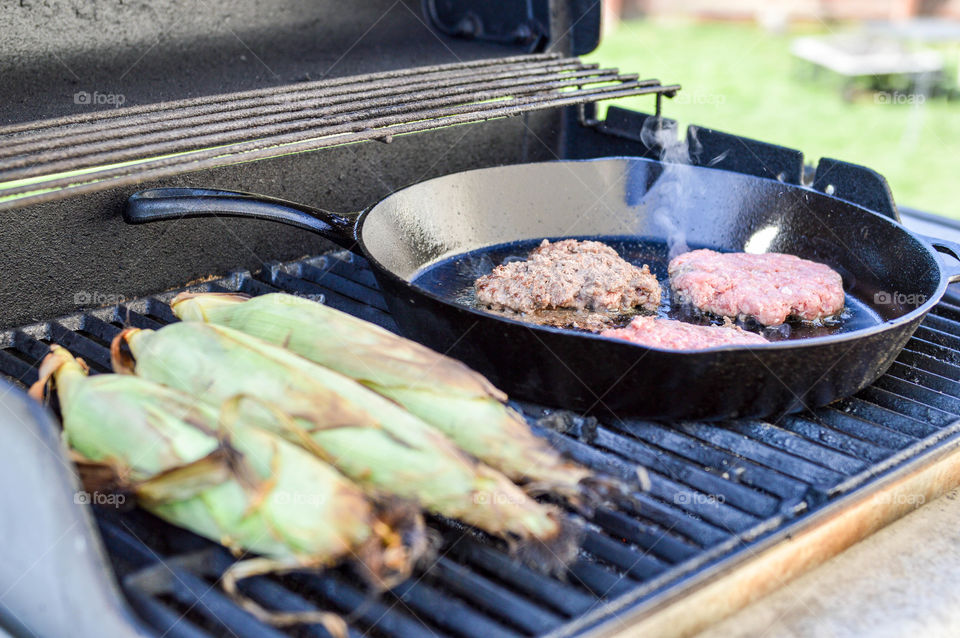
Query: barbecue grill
733,509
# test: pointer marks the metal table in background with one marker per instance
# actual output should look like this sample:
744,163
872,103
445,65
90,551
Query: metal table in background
864,55
925,31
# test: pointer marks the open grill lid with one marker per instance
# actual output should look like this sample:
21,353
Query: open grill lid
54,55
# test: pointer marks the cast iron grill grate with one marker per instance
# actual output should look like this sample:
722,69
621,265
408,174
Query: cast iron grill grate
714,490
72,155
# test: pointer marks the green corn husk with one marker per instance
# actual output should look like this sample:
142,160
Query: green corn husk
236,484
369,438
442,391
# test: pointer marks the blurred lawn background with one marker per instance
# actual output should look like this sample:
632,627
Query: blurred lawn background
740,78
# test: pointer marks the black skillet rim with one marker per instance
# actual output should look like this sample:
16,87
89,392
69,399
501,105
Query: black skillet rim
810,342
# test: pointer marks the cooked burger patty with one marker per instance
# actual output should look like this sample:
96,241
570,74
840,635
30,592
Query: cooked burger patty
769,288
578,275
677,335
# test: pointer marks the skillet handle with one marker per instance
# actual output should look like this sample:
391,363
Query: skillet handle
157,204
951,248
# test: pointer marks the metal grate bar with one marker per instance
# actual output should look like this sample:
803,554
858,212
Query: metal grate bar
835,439
137,142
741,497
853,425
449,613
349,291
78,118
929,395
369,612
93,353
159,615
315,271
886,393
600,581
925,379
740,470
948,311
296,99
926,362
798,446
464,582
16,367
945,322
658,541
921,345
639,567
71,156
272,595
564,598
215,609
711,510
383,128
938,342
763,454
883,422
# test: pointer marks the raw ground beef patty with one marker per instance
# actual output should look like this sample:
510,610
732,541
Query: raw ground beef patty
677,335
769,287
569,274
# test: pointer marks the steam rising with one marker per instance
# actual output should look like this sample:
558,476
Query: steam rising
668,196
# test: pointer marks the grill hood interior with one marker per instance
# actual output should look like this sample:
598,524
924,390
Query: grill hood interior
171,49
147,52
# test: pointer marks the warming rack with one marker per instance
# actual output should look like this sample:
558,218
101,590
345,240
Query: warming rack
88,152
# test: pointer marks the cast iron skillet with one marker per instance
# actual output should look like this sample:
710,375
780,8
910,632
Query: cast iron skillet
416,238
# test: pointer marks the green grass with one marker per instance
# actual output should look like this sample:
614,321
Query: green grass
740,79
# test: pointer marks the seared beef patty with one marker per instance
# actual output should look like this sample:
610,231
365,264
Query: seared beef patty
569,274
677,335
769,288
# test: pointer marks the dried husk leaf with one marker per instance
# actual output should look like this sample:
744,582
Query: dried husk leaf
386,449
442,391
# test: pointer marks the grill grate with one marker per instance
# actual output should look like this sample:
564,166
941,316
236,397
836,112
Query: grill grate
95,151
714,490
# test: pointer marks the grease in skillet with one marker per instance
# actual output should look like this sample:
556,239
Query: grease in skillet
453,279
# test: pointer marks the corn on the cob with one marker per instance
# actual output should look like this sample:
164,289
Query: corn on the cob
383,447
442,391
233,483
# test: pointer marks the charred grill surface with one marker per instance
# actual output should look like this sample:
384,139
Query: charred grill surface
715,489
